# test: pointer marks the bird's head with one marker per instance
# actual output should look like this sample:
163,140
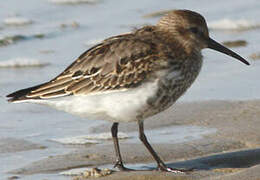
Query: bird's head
190,29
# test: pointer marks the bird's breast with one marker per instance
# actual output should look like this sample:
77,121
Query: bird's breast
172,85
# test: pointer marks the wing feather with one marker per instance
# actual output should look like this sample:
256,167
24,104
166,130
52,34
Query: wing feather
116,63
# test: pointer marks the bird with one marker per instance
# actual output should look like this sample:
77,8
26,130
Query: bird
132,76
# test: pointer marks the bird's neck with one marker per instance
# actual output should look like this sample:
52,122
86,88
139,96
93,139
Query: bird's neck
180,46
170,43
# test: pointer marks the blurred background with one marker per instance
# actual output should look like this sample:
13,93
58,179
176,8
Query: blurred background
39,38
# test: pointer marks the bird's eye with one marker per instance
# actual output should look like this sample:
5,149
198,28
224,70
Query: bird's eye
194,30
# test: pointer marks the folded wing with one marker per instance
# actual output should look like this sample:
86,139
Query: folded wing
117,63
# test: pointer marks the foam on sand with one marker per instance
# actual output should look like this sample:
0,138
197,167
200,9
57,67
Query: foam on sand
73,1
17,21
74,172
238,25
7,40
22,62
83,173
11,39
90,138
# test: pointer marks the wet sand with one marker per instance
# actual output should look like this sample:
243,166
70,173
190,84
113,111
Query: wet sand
9,145
232,152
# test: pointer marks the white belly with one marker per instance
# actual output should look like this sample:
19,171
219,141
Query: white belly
117,106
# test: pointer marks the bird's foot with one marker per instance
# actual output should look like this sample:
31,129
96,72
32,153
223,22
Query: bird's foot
173,170
119,165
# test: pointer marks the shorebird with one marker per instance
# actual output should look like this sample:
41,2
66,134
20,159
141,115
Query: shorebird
132,76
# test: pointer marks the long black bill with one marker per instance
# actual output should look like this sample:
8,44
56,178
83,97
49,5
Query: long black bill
218,47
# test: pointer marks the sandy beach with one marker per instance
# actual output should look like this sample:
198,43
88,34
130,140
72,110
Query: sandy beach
231,152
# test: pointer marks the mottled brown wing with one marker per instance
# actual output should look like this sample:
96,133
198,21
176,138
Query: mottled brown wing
116,63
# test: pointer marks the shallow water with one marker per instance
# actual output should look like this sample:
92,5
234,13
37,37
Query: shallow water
68,30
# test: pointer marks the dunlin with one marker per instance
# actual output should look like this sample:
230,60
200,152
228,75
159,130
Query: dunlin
132,76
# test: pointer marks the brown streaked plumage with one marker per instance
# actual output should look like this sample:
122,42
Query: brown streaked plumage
107,66
131,76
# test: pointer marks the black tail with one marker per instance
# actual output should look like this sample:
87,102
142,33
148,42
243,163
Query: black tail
21,94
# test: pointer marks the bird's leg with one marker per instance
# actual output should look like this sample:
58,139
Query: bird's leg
160,164
119,163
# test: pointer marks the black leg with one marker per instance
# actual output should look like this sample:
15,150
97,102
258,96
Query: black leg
119,163
160,164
